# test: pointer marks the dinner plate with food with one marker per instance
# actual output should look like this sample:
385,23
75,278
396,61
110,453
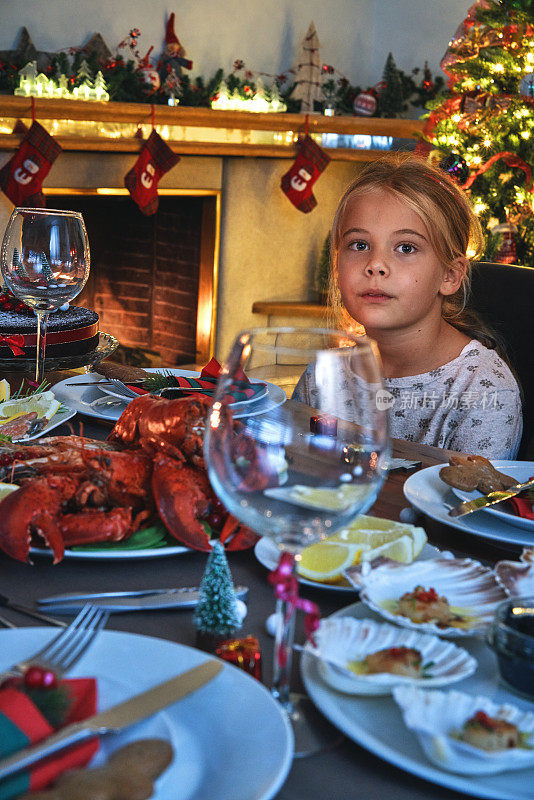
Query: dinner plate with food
368,540
378,723
443,596
429,493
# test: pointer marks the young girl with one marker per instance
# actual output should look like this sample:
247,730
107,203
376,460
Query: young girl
400,242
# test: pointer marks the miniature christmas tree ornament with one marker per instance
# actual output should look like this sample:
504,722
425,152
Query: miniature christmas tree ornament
217,615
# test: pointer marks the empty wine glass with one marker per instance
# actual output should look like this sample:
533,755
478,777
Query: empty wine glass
305,469
45,263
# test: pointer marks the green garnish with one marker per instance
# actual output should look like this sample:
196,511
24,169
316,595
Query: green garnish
159,380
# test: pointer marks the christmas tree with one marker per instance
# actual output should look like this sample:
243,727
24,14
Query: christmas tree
216,612
391,98
308,75
482,127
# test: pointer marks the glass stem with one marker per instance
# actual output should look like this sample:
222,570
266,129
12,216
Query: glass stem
42,320
283,649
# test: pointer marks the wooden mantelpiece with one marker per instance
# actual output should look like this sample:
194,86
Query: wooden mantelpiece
111,127
289,309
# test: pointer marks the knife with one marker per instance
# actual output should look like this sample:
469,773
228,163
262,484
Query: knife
468,506
143,599
114,719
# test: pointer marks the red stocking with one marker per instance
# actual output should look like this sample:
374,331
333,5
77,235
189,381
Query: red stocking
298,182
155,159
22,177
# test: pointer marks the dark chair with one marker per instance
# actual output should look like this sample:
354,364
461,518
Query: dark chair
504,296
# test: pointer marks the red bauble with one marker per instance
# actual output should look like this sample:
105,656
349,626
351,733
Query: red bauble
365,104
40,678
151,77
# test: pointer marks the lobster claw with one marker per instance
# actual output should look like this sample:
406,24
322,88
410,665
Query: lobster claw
235,536
32,508
183,495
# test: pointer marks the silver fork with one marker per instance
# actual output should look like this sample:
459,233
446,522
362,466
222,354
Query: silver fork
65,649
122,388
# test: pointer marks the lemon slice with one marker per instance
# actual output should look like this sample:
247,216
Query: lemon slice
401,549
5,390
44,405
325,561
7,488
376,532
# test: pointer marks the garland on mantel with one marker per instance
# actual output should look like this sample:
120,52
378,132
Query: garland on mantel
132,78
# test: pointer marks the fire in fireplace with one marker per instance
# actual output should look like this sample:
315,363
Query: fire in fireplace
153,279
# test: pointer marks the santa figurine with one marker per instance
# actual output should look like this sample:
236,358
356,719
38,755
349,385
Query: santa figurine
173,57
149,73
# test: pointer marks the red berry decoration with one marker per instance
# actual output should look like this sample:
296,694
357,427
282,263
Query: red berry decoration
215,521
40,678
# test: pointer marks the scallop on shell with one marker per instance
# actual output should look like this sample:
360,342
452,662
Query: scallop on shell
340,640
517,577
471,590
437,717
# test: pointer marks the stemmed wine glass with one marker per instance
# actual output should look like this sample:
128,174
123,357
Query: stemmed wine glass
45,262
306,468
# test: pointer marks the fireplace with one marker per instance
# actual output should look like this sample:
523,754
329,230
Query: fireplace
152,278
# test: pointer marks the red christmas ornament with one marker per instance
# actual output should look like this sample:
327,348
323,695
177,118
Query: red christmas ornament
365,104
155,159
39,678
507,253
21,179
298,182
243,653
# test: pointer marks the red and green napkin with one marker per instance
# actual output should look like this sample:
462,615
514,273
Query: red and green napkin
522,506
23,724
240,390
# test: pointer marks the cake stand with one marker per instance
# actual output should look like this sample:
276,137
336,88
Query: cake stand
107,344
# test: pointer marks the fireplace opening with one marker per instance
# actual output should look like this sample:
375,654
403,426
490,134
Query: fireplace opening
152,279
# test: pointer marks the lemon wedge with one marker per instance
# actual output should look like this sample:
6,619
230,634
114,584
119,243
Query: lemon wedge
5,390
7,488
376,533
325,561
44,405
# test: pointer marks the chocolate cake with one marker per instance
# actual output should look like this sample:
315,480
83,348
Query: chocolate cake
69,333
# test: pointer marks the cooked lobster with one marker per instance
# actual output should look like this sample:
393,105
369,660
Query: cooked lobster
74,490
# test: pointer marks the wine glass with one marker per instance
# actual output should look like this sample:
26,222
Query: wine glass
45,262
306,468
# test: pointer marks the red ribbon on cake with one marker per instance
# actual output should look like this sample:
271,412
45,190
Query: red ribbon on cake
14,342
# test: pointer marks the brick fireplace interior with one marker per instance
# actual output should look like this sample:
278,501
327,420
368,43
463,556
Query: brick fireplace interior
150,276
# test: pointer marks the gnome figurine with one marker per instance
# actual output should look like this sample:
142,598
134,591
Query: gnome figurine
173,56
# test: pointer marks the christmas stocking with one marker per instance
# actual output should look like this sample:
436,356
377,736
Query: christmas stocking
22,177
155,159
298,182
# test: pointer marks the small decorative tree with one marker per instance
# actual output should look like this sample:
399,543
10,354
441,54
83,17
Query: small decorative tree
391,98
308,80
322,270
216,616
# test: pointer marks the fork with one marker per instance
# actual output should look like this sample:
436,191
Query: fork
65,649
124,390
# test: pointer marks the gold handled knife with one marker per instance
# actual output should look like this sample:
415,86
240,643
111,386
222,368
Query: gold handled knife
468,506
120,716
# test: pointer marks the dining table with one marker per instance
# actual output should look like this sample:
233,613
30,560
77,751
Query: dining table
345,770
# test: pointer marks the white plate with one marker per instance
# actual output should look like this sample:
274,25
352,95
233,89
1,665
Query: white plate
81,398
216,755
521,471
115,555
268,554
61,416
428,493
376,724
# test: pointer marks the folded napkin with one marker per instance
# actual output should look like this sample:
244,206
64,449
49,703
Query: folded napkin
522,506
241,389
22,724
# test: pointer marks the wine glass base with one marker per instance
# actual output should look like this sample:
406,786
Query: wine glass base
313,733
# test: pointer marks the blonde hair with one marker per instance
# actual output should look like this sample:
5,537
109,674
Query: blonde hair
453,229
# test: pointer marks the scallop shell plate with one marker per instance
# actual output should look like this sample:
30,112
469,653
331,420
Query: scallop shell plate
517,577
435,717
465,583
343,639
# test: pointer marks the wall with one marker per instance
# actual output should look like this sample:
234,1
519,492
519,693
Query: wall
355,35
